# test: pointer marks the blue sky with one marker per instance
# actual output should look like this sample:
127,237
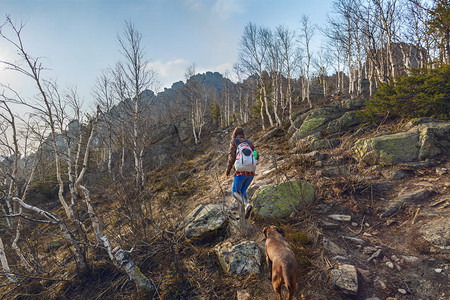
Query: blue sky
77,39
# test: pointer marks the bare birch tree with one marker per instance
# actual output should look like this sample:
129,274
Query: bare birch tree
137,77
306,34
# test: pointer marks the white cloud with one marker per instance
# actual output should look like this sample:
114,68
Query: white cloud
224,8
193,4
169,72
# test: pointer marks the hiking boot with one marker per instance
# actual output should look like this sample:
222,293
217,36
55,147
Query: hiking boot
248,209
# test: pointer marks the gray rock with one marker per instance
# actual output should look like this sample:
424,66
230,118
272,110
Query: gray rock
343,124
243,258
243,295
399,201
314,155
375,255
283,199
315,142
380,187
314,121
409,259
272,133
420,142
354,240
437,232
394,174
369,250
332,247
328,225
402,291
183,175
441,171
205,221
343,218
353,104
346,279
335,171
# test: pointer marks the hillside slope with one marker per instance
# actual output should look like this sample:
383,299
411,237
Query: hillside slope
393,256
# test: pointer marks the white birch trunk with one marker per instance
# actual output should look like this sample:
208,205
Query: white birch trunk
5,265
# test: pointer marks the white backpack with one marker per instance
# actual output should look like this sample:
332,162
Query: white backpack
245,161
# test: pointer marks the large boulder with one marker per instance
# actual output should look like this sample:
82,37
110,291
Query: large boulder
346,122
313,143
243,258
205,221
345,278
434,138
437,232
420,142
314,121
281,200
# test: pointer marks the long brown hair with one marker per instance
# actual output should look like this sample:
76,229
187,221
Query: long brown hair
238,132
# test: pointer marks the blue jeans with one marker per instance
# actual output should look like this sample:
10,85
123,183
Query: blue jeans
241,183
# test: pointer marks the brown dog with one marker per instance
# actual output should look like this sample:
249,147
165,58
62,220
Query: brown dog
281,262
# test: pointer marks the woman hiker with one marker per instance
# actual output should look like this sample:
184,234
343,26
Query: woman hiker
243,156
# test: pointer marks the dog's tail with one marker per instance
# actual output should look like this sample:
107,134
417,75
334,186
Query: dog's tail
290,282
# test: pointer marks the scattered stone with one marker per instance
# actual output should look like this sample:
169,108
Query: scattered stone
410,259
390,264
334,171
369,250
346,279
315,155
394,174
381,283
402,291
183,175
243,295
241,259
390,222
399,201
375,255
441,171
339,258
438,271
354,240
332,247
342,218
328,225
375,168
395,258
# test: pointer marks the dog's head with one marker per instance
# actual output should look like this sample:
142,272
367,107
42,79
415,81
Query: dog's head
269,229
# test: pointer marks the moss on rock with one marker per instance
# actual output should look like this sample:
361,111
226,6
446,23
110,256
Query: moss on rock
283,199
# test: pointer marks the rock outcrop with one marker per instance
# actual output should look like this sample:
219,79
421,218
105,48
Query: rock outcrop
420,142
243,258
283,199
205,221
